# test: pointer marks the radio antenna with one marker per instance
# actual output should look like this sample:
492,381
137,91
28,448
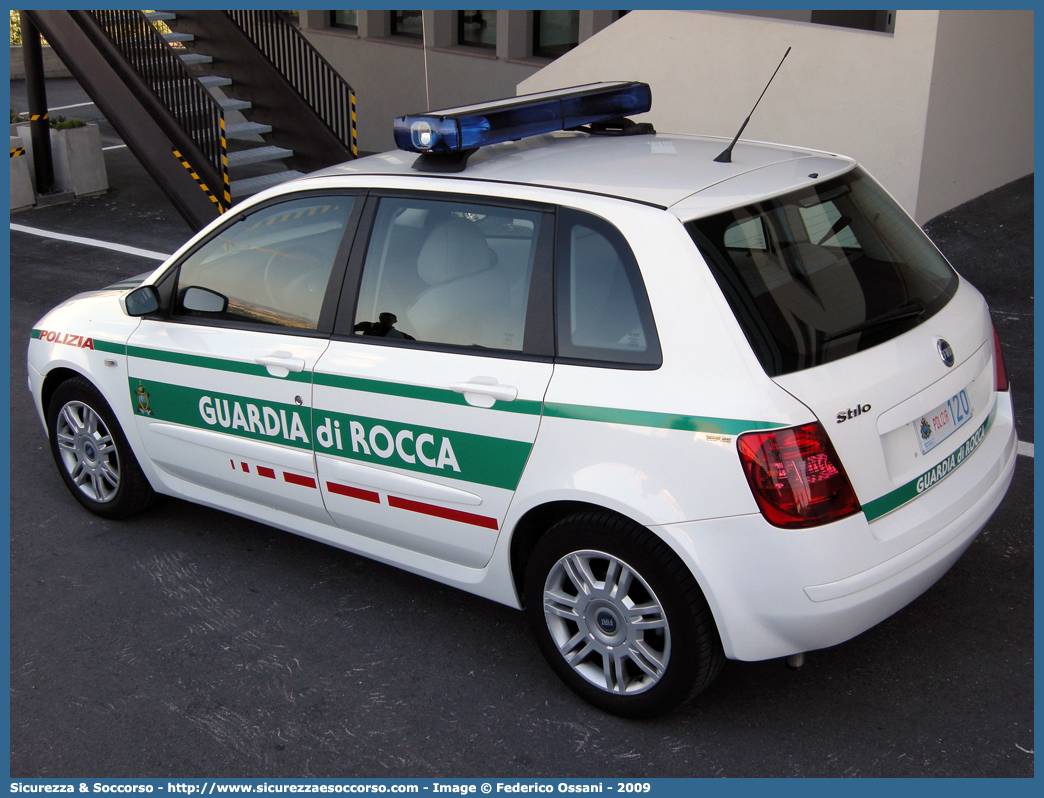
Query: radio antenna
726,154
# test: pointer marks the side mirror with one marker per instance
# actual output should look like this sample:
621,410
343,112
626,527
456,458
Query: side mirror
141,301
203,300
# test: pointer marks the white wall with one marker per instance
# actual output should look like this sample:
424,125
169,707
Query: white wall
860,93
979,131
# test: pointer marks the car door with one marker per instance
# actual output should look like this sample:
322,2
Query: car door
428,400
221,380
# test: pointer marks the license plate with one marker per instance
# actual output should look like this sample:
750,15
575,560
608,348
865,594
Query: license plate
935,427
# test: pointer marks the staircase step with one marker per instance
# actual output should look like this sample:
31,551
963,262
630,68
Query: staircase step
172,38
257,155
246,129
160,16
235,105
252,185
214,81
192,59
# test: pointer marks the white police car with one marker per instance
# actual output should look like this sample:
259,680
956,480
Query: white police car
679,409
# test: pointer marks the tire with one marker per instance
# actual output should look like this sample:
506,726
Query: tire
619,617
92,453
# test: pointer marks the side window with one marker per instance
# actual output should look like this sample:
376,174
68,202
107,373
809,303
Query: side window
448,273
749,234
602,310
270,268
826,226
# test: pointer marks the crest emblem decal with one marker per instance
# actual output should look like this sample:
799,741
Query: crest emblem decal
143,401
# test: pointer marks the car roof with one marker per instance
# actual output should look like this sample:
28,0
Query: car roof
659,169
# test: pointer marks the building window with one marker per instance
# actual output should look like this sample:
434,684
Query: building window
555,32
881,21
408,24
477,29
345,19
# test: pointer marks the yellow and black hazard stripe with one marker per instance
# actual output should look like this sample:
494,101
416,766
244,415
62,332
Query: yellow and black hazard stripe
355,141
199,181
227,189
16,151
38,117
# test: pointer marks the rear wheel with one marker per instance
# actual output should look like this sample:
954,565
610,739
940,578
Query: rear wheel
619,617
92,454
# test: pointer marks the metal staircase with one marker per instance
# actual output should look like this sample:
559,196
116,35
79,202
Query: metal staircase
217,105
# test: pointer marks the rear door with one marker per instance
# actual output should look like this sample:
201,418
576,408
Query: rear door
428,400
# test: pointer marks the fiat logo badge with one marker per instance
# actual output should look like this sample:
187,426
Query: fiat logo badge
945,352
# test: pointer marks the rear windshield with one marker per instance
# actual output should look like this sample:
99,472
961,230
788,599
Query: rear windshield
826,271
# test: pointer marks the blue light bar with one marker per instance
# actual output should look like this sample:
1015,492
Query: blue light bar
462,129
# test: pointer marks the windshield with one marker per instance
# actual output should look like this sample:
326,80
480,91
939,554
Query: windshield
821,273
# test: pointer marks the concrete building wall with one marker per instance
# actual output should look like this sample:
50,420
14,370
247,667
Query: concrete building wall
861,93
979,129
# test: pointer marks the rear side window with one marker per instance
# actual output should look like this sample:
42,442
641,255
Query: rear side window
824,272
447,272
602,309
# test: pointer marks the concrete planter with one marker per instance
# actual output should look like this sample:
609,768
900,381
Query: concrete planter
22,195
79,163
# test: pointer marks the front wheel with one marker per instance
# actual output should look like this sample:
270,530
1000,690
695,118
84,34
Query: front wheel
92,454
619,617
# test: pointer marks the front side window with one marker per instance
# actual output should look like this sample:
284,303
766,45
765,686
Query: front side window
820,273
270,268
446,272
602,310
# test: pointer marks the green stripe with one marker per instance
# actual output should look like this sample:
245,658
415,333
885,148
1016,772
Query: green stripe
425,394
915,487
215,363
107,346
642,418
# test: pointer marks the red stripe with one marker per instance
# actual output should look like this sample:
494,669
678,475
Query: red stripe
246,468
354,493
443,512
297,479
266,472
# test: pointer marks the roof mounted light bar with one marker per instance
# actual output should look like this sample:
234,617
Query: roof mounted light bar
447,138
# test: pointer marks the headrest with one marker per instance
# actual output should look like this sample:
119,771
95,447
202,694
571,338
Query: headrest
454,249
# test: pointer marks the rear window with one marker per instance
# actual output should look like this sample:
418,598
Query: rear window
821,273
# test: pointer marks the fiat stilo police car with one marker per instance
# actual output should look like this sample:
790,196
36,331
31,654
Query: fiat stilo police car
680,408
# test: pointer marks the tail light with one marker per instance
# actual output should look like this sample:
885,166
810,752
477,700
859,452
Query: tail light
998,363
796,477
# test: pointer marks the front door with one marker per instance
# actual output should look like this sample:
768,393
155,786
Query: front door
222,384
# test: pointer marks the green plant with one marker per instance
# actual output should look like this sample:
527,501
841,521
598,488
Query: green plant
15,116
61,123
16,29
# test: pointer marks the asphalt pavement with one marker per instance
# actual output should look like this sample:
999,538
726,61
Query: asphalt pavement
187,642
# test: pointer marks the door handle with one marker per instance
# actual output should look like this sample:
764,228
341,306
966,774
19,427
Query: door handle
279,364
486,386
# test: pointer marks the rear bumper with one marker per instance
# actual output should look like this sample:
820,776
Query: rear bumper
778,592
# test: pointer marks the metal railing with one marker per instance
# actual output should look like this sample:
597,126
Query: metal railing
311,76
194,108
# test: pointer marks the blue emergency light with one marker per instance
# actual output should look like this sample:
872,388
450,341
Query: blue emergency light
461,130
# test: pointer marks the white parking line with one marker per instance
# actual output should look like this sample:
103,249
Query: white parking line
67,107
90,242
113,147
1025,449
